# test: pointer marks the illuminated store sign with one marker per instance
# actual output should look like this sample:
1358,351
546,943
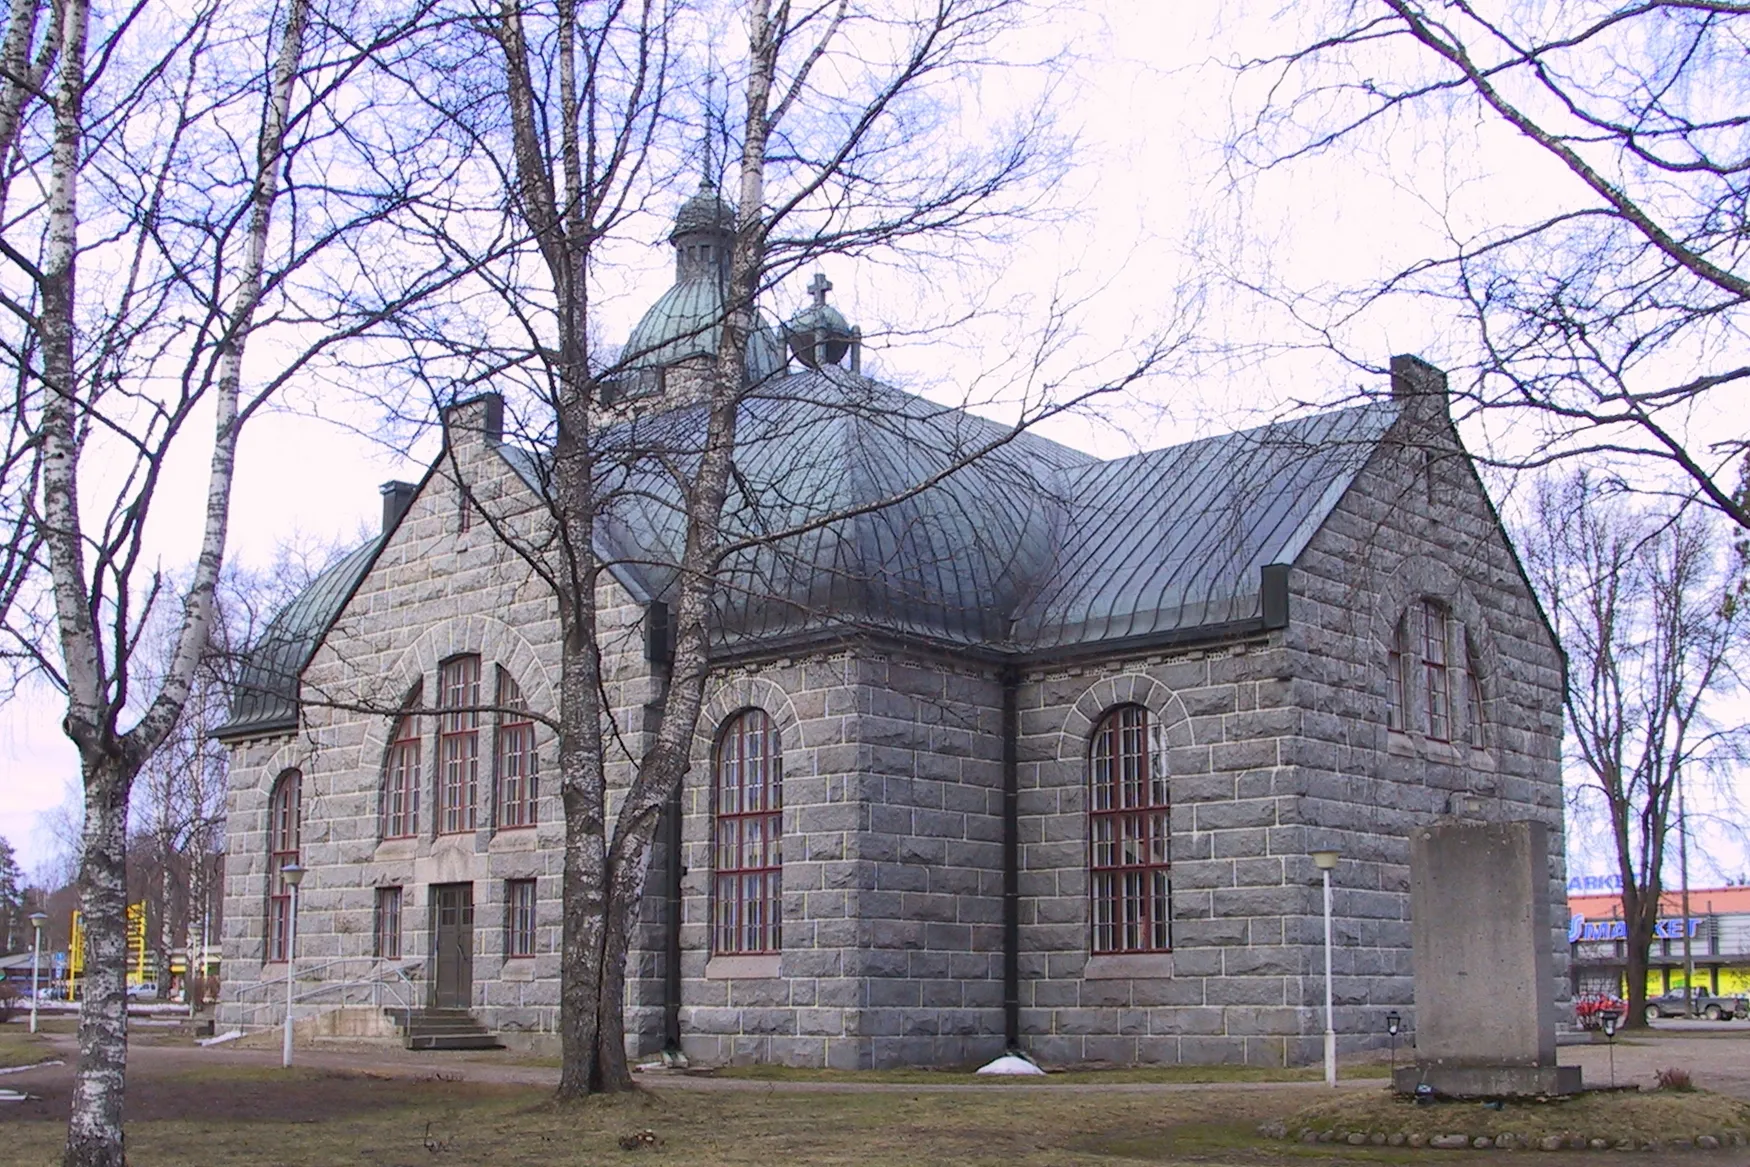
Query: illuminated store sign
1579,929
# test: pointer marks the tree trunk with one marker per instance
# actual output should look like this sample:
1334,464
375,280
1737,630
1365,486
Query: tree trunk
94,1132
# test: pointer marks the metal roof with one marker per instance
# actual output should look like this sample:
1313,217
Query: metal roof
265,699
687,320
1174,539
861,508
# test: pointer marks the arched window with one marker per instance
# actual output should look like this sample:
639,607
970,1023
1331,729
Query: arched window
1473,695
282,852
401,778
746,833
1396,714
516,758
1129,852
458,744
1432,618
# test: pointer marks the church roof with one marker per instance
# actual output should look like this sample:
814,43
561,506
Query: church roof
1031,546
265,699
858,508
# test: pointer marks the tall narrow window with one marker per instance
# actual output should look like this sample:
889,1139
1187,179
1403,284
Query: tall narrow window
387,928
401,779
1395,717
516,758
1129,853
1434,669
458,744
1473,695
747,829
282,852
519,917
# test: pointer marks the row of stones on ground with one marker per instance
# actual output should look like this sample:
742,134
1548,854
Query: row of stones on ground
1506,1140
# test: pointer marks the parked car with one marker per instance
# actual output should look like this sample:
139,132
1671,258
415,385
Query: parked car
1713,1008
143,989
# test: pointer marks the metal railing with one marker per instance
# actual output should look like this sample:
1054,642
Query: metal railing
380,984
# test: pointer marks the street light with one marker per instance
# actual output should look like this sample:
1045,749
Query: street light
1325,861
1393,1023
293,875
37,920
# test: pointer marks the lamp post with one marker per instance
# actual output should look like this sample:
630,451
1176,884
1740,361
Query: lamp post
1325,861
1393,1023
1608,1019
37,920
293,875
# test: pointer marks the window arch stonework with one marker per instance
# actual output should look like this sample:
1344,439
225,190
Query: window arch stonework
1433,677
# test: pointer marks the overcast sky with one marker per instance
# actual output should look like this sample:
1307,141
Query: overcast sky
1151,212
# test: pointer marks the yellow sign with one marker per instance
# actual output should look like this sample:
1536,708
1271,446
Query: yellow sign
137,942
75,955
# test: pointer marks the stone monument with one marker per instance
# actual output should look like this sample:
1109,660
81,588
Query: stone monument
1481,948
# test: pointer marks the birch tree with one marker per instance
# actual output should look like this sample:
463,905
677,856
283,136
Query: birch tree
840,140
1649,609
145,251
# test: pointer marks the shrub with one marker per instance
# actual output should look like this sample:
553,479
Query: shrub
1674,1078
8,1000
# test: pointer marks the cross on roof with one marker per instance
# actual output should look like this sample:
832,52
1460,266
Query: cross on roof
820,287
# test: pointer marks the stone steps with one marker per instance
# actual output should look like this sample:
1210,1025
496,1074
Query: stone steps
443,1029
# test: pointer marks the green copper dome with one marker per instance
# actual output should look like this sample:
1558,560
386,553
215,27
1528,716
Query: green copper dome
687,322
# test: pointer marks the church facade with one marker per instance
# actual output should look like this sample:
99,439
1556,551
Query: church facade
1033,759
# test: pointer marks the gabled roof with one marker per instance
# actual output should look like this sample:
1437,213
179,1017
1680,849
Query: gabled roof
266,696
1173,539
857,508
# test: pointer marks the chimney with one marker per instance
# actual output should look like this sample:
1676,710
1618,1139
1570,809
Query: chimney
397,496
1413,378
483,415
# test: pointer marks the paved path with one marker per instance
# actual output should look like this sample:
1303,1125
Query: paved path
1716,1058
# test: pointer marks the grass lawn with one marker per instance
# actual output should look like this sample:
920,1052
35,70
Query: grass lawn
20,1047
229,1116
1642,1116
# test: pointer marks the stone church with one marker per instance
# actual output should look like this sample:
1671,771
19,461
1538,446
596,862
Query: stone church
1032,758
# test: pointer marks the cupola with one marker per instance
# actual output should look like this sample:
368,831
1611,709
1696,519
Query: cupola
819,335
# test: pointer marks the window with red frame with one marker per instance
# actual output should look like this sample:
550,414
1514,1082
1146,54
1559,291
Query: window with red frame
1129,851
401,779
516,758
1434,652
1473,695
458,744
282,852
747,828
519,917
388,923
1395,715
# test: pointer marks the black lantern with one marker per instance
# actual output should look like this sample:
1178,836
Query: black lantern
1393,1023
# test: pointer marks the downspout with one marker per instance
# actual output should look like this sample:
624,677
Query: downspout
671,968
659,654
1011,681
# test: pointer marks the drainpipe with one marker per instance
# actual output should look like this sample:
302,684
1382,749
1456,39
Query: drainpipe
1011,680
671,972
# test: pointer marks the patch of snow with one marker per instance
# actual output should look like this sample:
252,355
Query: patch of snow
1010,1064
33,1066
228,1035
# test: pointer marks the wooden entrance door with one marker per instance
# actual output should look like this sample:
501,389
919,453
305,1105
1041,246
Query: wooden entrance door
452,907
